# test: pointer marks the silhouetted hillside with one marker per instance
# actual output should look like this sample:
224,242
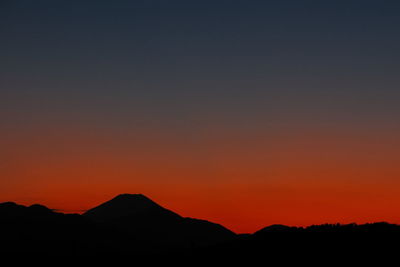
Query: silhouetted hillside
369,228
37,229
135,226
316,245
144,220
124,225
126,205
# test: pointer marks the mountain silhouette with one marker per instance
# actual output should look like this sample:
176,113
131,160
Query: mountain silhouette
144,220
133,226
125,206
275,228
12,211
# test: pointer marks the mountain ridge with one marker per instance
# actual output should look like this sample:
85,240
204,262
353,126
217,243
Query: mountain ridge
124,205
141,217
152,232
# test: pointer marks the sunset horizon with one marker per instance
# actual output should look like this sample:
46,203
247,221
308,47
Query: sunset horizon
243,227
242,113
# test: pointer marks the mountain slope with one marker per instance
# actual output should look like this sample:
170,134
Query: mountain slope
145,220
127,205
133,228
38,229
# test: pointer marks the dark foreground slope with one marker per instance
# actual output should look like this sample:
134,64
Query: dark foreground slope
319,245
139,217
37,229
128,225
133,229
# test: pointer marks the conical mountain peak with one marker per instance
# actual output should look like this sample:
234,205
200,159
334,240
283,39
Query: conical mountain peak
130,197
131,201
123,205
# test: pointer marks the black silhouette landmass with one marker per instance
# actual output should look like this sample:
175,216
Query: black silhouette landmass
135,227
140,217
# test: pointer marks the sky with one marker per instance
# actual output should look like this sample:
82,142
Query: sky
245,113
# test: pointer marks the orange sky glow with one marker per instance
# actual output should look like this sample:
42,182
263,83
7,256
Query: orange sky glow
243,182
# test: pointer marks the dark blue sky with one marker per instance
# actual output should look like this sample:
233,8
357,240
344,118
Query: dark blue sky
215,55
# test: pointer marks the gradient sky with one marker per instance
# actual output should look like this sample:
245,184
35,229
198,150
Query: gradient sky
246,113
